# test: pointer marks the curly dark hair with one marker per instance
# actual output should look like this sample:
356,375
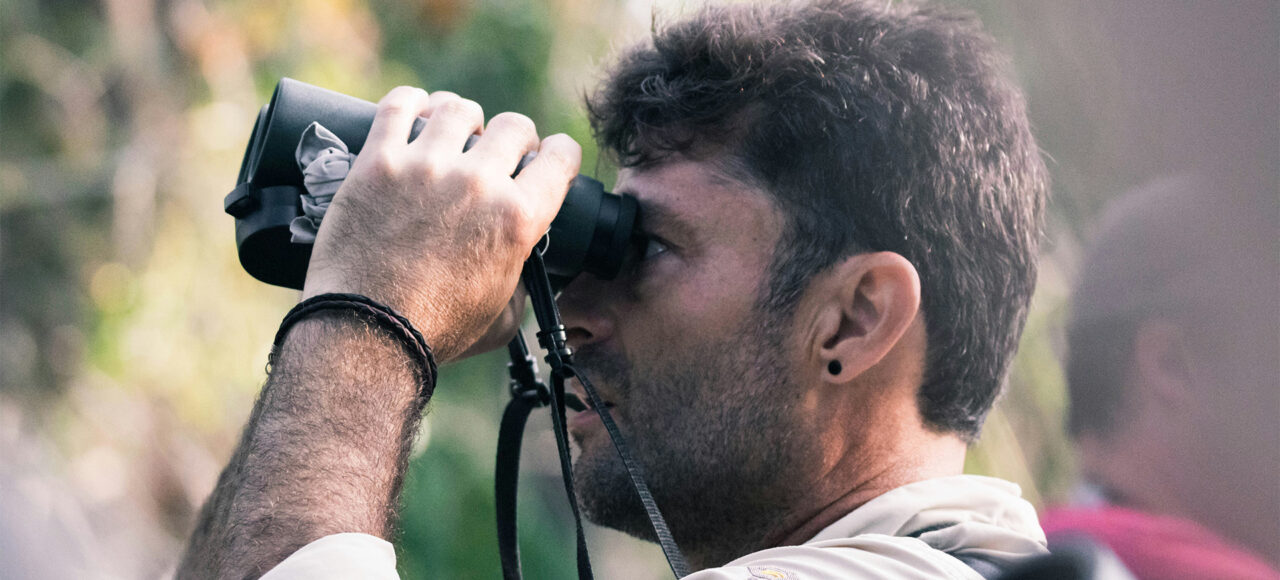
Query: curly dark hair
877,127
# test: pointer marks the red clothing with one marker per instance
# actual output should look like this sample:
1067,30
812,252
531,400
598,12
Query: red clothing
1156,546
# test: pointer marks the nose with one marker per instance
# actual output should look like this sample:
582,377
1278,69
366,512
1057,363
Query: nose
584,313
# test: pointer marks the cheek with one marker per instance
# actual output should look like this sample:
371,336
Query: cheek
707,296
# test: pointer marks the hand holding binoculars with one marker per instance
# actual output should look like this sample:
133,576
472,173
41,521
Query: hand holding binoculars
592,232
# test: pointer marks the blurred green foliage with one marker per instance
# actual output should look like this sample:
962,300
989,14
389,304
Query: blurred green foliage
132,344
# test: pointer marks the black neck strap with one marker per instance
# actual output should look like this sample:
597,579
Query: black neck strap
527,393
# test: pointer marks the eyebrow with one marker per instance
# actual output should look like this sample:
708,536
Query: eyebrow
658,216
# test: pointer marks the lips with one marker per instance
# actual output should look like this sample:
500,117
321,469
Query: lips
580,393
572,401
587,406
588,414
582,420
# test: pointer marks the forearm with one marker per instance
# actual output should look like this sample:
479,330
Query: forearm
437,234
324,451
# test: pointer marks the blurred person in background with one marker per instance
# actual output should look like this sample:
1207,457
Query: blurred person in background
1174,347
842,205
1174,331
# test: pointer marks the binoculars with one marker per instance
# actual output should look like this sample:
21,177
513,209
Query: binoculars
593,231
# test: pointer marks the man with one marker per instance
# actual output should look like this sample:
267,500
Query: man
842,204
1172,377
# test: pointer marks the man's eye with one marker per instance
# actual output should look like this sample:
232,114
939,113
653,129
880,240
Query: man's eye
652,248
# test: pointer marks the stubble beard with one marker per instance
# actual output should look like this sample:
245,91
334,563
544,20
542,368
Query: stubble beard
714,429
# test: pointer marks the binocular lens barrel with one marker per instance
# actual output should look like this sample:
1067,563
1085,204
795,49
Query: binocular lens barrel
592,233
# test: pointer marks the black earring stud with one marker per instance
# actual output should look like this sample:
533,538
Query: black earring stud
834,368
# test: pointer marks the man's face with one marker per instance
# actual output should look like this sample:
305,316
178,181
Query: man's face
698,377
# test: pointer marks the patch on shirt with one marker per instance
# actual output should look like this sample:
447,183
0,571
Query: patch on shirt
769,573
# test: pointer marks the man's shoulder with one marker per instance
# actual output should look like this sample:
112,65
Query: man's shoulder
920,530
864,556
1154,545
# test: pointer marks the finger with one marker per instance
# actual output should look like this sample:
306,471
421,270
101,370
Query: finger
434,100
518,299
507,138
394,119
439,98
547,177
503,328
450,121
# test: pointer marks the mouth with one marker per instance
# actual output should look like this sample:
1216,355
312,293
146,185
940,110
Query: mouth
572,401
586,419
588,414
578,395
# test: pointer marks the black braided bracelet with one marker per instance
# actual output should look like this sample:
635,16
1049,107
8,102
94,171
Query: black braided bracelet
376,312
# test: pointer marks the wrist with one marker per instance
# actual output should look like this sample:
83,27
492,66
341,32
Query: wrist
353,330
417,298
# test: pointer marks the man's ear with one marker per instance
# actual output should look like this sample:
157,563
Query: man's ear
871,300
1163,381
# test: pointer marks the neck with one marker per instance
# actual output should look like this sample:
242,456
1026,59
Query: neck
943,456
855,478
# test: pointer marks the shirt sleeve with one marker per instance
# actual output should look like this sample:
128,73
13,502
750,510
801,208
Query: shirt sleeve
869,556
349,555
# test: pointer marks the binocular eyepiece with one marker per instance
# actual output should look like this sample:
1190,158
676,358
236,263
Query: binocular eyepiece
592,233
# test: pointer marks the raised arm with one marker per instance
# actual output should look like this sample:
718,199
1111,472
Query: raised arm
437,234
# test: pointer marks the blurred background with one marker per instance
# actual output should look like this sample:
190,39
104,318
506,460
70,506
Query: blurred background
132,344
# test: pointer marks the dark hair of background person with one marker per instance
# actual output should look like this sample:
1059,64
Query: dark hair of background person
876,127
